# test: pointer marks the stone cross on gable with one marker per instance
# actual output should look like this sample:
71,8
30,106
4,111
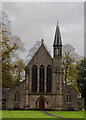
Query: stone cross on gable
42,41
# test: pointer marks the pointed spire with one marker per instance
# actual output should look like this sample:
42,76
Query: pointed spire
57,39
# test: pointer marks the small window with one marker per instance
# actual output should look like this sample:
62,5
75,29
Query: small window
16,97
79,95
79,103
68,97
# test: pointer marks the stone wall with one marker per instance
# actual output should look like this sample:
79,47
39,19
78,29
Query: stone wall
41,57
56,99
10,97
74,99
34,101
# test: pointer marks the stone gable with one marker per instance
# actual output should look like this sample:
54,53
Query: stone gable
41,57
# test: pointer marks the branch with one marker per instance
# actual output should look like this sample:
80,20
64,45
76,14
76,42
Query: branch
9,50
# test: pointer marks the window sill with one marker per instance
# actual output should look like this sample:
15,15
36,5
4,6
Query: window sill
68,102
16,102
40,93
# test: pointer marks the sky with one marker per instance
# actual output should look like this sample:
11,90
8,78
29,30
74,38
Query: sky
35,21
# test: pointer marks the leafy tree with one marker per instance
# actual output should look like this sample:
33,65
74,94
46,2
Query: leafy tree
18,72
71,49
11,46
70,70
82,78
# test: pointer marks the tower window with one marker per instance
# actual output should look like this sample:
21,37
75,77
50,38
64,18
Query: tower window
60,52
57,52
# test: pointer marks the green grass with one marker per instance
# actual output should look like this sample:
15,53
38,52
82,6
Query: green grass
68,114
24,114
0,114
38,114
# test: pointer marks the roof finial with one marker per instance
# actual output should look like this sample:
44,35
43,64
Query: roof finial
42,41
57,22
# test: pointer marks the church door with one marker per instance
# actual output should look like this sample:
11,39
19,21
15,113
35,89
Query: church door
41,104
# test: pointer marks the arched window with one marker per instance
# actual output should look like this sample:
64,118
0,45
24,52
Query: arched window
48,84
34,78
68,97
16,97
41,82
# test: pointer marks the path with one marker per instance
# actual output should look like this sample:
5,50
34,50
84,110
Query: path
45,112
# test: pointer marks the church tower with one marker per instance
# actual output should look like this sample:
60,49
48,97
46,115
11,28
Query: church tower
57,70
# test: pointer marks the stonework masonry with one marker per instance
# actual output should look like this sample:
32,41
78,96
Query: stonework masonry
44,71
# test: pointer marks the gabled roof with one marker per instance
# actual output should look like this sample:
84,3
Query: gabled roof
42,45
16,85
57,39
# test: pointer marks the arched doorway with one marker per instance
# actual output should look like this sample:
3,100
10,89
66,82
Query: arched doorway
41,104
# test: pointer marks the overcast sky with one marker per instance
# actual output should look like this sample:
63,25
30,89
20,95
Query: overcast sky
34,21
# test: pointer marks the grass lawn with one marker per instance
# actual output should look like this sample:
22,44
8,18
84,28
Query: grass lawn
24,114
38,114
68,114
0,114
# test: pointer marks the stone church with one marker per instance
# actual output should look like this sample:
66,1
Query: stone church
43,87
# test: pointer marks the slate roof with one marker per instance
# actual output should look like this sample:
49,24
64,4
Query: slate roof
57,39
